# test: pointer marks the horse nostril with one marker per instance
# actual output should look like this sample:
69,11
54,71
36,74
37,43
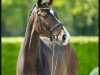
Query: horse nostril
64,37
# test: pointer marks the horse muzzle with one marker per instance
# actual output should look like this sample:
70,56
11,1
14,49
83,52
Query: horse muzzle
63,38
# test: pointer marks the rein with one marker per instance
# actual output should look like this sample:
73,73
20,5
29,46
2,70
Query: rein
54,56
52,61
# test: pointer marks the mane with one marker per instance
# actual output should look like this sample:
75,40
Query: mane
31,11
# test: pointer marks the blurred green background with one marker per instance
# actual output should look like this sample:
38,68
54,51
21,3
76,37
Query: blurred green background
80,18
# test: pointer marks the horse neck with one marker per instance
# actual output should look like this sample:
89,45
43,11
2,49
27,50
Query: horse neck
30,45
31,52
33,42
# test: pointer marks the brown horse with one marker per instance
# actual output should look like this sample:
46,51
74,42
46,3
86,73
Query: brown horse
52,55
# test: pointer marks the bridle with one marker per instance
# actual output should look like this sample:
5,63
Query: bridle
49,30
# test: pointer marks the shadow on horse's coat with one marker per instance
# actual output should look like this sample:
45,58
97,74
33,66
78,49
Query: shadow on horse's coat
52,55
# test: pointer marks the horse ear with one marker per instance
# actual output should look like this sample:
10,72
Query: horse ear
39,2
50,2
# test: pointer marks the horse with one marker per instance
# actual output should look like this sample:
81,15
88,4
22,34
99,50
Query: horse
46,49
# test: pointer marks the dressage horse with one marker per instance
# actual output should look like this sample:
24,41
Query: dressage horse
50,55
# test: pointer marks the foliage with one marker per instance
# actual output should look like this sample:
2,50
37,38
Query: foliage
80,17
86,49
95,71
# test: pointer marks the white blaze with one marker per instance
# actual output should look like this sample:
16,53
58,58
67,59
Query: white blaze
52,12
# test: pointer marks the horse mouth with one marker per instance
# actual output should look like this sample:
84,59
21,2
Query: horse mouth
59,42
62,41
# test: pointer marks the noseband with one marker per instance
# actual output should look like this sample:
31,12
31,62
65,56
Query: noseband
49,30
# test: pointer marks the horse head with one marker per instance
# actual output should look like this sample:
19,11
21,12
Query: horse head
47,24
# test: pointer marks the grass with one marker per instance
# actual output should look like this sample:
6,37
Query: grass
86,49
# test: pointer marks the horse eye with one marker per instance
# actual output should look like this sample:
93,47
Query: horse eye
45,16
